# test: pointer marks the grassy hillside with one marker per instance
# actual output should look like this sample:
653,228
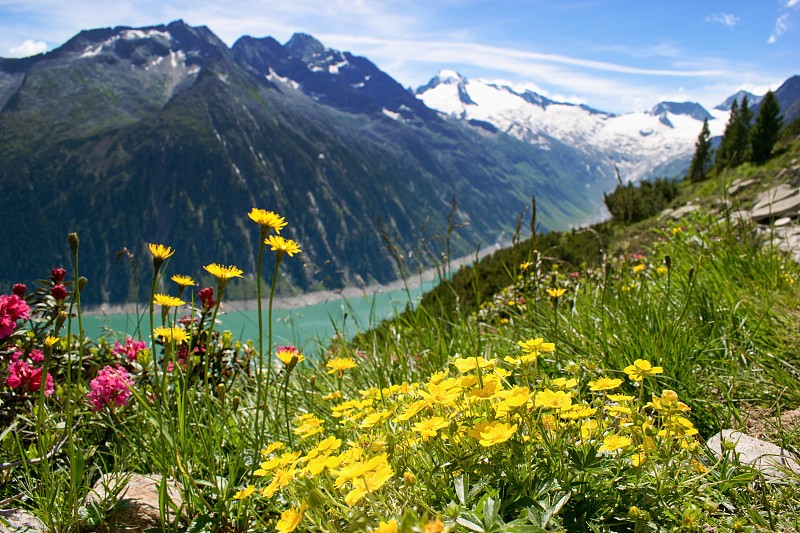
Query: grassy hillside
568,383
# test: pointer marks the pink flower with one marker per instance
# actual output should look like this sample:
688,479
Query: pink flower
130,349
111,387
23,375
57,275
207,297
36,356
12,308
59,292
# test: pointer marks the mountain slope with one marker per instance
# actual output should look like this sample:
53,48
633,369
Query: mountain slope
163,134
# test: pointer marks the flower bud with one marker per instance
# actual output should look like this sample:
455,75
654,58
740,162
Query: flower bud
73,242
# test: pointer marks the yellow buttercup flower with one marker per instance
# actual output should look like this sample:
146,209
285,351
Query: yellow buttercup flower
638,268
165,300
604,383
387,527
614,442
428,427
496,433
267,219
525,266
291,518
533,347
640,369
556,293
244,493
282,246
183,281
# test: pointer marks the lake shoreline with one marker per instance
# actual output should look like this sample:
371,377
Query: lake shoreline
315,297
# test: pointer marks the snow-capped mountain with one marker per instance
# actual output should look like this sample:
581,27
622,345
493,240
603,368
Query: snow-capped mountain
641,144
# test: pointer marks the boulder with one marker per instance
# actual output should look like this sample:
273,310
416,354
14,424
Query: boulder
771,460
20,521
136,508
740,185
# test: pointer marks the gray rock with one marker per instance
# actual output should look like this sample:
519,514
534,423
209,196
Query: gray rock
771,460
20,521
740,185
782,222
788,206
774,195
681,212
137,504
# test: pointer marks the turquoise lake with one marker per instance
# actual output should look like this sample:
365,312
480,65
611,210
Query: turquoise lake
305,327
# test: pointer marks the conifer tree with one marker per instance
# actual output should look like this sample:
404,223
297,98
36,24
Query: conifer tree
725,151
702,155
765,131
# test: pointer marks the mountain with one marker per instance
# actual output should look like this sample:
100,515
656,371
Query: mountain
164,134
644,144
788,95
752,99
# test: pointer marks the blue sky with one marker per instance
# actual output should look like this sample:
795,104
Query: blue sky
615,55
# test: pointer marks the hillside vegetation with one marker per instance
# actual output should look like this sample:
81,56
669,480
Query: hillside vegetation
568,383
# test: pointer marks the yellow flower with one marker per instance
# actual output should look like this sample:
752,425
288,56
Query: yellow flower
51,341
434,526
286,356
564,383
364,476
223,273
387,527
531,348
662,270
282,246
640,369
604,383
525,266
553,400
614,442
308,425
556,293
496,433
183,281
271,448
176,335
165,300
428,427
244,493
291,518
160,252
267,219
468,364
339,364
619,397
638,268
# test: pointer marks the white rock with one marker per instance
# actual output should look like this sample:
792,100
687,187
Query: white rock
771,460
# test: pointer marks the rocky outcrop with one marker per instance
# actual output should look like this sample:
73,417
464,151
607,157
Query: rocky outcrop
771,460
136,506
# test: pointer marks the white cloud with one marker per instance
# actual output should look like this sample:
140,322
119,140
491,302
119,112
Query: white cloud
727,19
781,25
792,3
28,48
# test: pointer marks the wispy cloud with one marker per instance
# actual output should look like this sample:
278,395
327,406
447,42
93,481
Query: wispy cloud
792,3
28,48
726,19
781,25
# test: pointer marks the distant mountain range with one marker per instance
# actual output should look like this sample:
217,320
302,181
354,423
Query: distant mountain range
165,134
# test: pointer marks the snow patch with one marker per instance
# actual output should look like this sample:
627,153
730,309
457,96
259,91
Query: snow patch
334,69
274,77
391,114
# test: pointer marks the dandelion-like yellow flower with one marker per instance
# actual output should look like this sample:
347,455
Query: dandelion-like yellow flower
525,266
267,219
556,293
638,268
183,281
496,433
339,365
640,369
614,442
282,246
662,270
244,493
286,356
51,341
223,273
176,335
291,518
160,254
165,300
604,383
